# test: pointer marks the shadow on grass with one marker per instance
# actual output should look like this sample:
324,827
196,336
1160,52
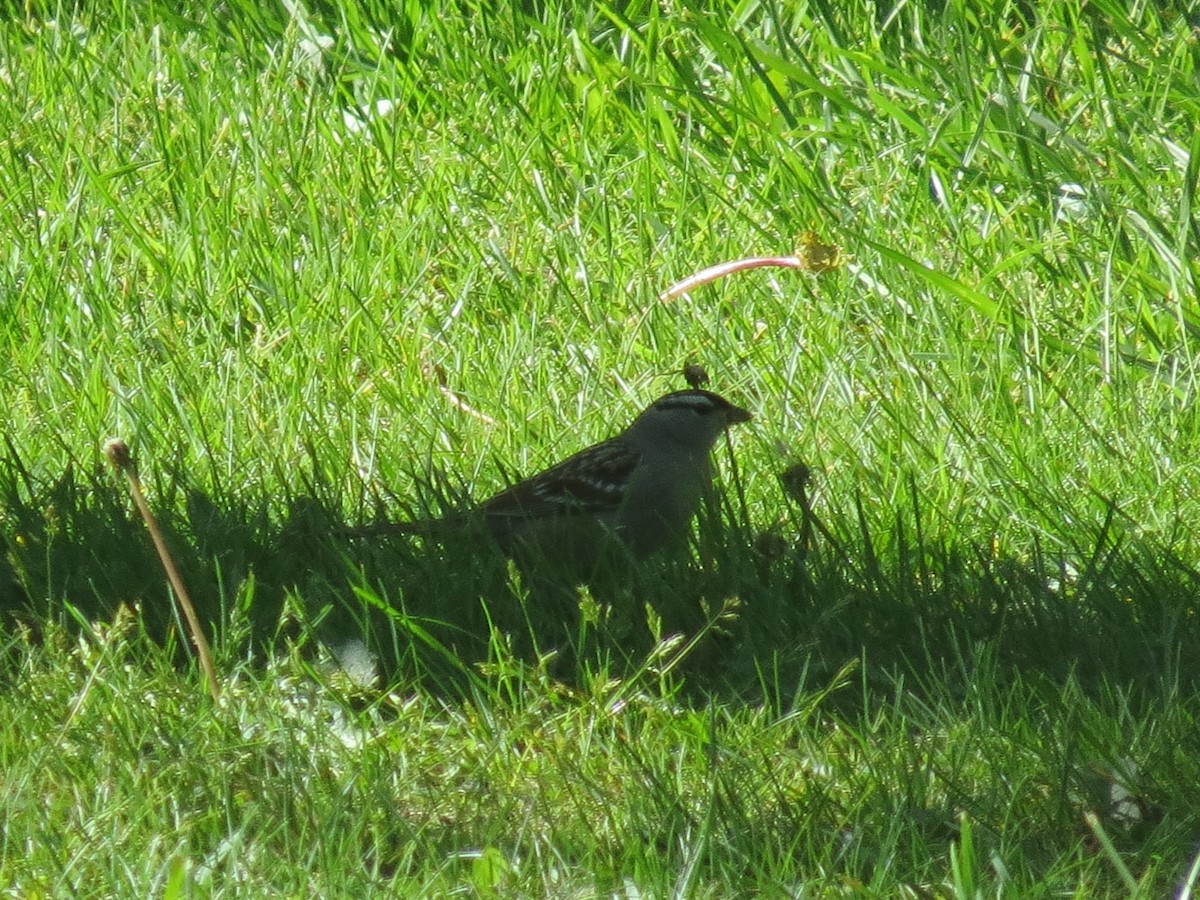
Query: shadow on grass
1121,613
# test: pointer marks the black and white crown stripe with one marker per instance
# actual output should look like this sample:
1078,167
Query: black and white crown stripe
702,402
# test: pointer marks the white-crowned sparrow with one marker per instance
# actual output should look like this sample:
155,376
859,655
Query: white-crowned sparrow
642,486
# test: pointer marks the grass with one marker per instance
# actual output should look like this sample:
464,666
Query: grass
526,789
357,261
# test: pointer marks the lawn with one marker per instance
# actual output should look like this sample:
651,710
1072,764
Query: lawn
328,265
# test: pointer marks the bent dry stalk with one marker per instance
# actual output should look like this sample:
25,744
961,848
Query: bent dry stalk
118,454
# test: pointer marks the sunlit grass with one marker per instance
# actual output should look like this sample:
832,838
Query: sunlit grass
359,261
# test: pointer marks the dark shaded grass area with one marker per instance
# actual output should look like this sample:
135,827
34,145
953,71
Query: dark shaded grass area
774,610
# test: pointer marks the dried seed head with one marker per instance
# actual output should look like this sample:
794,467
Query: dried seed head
695,375
770,545
117,452
795,480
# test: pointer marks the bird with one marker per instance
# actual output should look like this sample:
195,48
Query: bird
639,490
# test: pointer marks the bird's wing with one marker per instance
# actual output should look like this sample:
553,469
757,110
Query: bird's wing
589,483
